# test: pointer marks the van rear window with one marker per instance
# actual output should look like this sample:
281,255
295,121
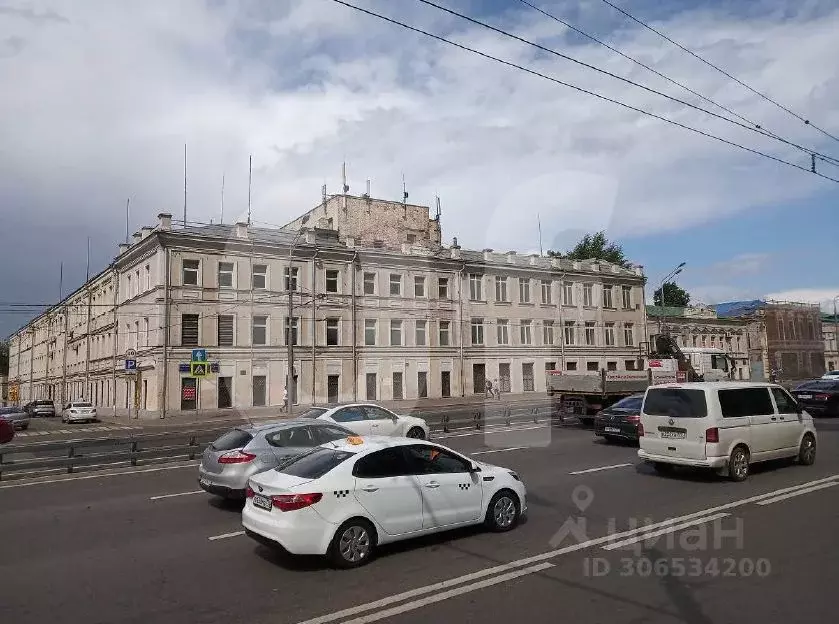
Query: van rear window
675,403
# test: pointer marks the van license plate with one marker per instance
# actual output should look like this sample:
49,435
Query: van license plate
263,502
673,435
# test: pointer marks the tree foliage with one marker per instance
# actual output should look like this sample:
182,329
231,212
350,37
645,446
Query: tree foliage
674,295
595,246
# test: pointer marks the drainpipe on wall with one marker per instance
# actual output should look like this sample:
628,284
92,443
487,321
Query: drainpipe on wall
314,322
355,267
561,323
116,343
461,328
166,303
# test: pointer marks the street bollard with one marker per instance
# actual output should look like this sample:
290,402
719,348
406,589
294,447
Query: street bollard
70,454
445,423
478,421
134,452
535,414
507,414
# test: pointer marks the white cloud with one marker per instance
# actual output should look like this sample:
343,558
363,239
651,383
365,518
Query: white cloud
743,264
822,296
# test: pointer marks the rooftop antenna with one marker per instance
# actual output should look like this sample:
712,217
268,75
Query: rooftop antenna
221,220
127,206
88,260
439,210
323,194
539,222
404,191
60,282
184,184
345,186
250,170
367,194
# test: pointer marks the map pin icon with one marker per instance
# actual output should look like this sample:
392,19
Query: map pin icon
582,497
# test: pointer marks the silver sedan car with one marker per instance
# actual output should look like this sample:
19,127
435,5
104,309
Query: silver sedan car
16,416
232,459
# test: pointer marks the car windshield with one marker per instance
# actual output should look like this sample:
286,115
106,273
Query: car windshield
9,410
81,405
818,385
629,403
315,463
675,403
313,412
42,403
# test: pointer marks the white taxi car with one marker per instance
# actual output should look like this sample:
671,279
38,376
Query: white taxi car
366,419
345,498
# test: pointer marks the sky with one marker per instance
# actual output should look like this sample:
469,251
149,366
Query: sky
99,98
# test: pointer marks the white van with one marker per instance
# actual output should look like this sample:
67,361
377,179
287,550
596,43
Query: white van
723,425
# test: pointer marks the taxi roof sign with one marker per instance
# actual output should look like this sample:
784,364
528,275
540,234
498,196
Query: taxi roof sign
355,440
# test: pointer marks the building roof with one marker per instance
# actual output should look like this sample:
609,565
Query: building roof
662,311
739,308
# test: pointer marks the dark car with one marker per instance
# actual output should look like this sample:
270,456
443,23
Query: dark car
819,397
620,420
41,407
7,431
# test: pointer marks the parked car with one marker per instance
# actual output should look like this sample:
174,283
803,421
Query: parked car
620,421
78,411
819,398
7,431
40,408
17,416
834,374
369,419
230,461
726,426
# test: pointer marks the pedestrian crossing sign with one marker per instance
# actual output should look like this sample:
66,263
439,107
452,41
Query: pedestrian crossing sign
198,369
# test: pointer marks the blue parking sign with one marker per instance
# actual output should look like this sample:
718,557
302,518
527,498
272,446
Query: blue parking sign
199,355
130,365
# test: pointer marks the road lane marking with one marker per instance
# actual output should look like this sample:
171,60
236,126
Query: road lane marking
535,559
422,602
98,476
225,536
588,470
486,431
503,450
815,488
670,529
162,496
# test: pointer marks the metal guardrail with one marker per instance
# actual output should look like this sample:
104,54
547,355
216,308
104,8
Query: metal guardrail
39,458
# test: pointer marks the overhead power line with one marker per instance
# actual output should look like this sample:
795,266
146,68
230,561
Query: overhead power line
722,71
704,98
582,90
750,126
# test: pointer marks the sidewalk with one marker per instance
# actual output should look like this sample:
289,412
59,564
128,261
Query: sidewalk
274,412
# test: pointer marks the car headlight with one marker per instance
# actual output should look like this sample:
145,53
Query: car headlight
514,475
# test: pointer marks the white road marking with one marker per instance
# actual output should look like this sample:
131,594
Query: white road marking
225,536
422,602
98,476
662,531
162,496
503,450
798,493
579,472
513,565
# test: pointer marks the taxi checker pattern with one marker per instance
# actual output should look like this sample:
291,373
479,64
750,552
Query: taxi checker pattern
341,493
464,486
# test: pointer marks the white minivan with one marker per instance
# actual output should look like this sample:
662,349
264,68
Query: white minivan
723,425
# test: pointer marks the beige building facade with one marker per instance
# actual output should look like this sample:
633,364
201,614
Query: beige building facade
378,313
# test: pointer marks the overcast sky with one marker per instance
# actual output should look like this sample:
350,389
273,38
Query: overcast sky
99,98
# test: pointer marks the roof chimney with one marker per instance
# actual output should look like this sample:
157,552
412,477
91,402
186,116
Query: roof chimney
241,230
146,230
136,236
123,247
164,221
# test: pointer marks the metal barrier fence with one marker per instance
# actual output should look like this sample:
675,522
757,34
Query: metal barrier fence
40,458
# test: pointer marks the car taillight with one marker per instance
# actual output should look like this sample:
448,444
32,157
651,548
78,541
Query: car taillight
640,430
712,435
821,397
292,502
249,492
633,418
236,457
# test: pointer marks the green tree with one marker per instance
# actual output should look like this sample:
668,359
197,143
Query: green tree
674,295
595,246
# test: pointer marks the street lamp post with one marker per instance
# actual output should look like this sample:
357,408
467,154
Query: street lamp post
669,276
835,324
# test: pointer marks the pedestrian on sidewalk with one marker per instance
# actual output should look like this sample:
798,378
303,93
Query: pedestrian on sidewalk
285,399
488,389
497,389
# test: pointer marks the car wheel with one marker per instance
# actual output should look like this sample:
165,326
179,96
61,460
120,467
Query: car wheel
807,451
416,433
353,544
738,464
503,512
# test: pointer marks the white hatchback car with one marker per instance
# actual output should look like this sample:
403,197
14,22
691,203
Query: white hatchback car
723,425
368,419
344,498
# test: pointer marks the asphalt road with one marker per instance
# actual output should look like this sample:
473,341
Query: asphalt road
146,547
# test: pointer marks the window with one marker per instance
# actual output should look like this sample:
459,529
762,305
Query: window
234,439
419,287
527,377
607,297
590,333
592,367
549,366
567,293
422,385
420,333
547,332
629,334
260,385
296,437
477,331
136,334
610,334
148,277
613,366
397,387
189,330
190,273
332,336
739,402
225,330
501,289
225,275
332,280
524,290
395,284
259,277
370,332
626,297
445,333
369,283
291,330
677,403
290,278
396,333
137,285
546,292
443,287
476,292
526,333
434,460
128,293
781,334
569,332
411,238
259,330
571,366
315,463
502,328
145,332
588,295
785,403
389,462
